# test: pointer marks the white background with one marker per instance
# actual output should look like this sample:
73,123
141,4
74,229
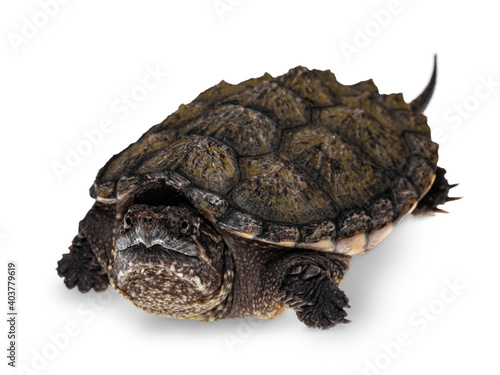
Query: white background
68,72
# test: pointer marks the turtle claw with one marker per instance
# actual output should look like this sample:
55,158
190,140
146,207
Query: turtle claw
80,268
317,300
327,310
437,195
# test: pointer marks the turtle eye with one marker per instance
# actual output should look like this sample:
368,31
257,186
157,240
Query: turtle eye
127,222
184,226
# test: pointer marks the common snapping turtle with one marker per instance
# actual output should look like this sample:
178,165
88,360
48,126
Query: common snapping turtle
254,197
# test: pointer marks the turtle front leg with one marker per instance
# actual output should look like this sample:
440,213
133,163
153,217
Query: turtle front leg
80,267
310,287
84,266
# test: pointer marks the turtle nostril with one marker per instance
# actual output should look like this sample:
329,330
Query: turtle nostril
148,220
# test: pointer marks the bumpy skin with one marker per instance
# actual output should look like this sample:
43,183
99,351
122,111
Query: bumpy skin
81,268
279,168
88,262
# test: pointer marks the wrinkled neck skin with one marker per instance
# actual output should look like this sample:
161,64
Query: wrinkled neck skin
259,272
253,293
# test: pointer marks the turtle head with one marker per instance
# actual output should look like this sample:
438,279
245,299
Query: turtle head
170,261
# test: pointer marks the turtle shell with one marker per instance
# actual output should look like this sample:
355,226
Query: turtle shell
299,160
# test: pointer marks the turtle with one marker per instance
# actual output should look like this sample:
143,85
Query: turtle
255,197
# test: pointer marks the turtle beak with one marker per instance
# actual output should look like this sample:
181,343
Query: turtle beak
148,233
140,233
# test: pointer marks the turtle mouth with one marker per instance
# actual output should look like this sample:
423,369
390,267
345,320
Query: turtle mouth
144,243
154,255
140,255
138,258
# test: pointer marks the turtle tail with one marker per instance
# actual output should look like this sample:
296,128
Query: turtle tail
420,102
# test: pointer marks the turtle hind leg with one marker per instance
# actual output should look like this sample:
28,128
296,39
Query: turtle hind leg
80,267
315,297
437,195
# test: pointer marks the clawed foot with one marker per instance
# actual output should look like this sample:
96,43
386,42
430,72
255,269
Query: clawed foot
315,297
80,268
437,195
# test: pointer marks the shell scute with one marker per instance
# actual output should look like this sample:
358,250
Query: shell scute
274,189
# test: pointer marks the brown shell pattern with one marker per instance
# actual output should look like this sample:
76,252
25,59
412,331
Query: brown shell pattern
300,160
